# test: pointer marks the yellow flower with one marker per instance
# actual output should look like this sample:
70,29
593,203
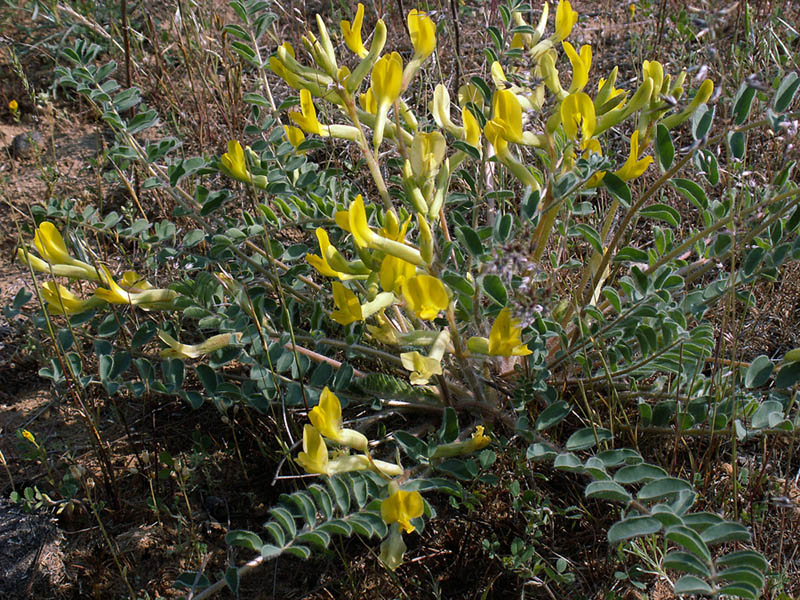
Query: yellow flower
655,71
425,296
507,113
423,34
347,305
147,299
632,10
472,129
504,337
565,20
387,81
352,34
478,441
212,344
306,118
577,114
327,418
634,166
332,264
367,102
234,164
394,272
27,434
422,367
63,302
314,457
581,63
51,247
427,154
13,106
37,264
295,136
357,221
401,507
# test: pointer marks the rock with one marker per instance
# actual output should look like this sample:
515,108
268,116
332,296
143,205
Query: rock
31,557
25,144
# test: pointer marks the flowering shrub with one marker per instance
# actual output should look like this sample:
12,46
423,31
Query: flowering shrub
432,273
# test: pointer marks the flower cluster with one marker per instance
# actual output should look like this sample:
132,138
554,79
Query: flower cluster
54,259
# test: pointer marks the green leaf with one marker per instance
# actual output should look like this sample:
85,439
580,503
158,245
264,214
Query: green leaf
471,240
318,538
737,590
566,461
607,490
725,532
788,376
552,415
736,143
590,234
688,563
245,539
758,372
494,288
662,488
768,414
744,558
467,149
337,527
632,527
285,519
618,188
786,92
448,432
701,121
665,149
692,191
742,103
232,579
322,499
743,575
689,584
690,540
299,551
662,212
276,531
586,438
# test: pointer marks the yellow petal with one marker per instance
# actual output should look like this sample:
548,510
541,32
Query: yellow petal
401,507
423,33
327,415
347,304
357,221
306,119
577,114
565,19
425,296
314,457
352,34
504,337
387,78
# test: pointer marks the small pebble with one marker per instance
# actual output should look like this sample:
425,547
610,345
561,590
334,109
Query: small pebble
24,144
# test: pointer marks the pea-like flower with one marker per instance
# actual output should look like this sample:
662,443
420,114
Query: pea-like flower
314,457
478,441
234,164
423,368
427,154
51,247
156,299
352,33
349,309
634,166
565,20
332,264
327,418
425,296
295,136
577,115
401,507
387,81
504,338
63,302
423,33
188,351
394,273
354,220
581,63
